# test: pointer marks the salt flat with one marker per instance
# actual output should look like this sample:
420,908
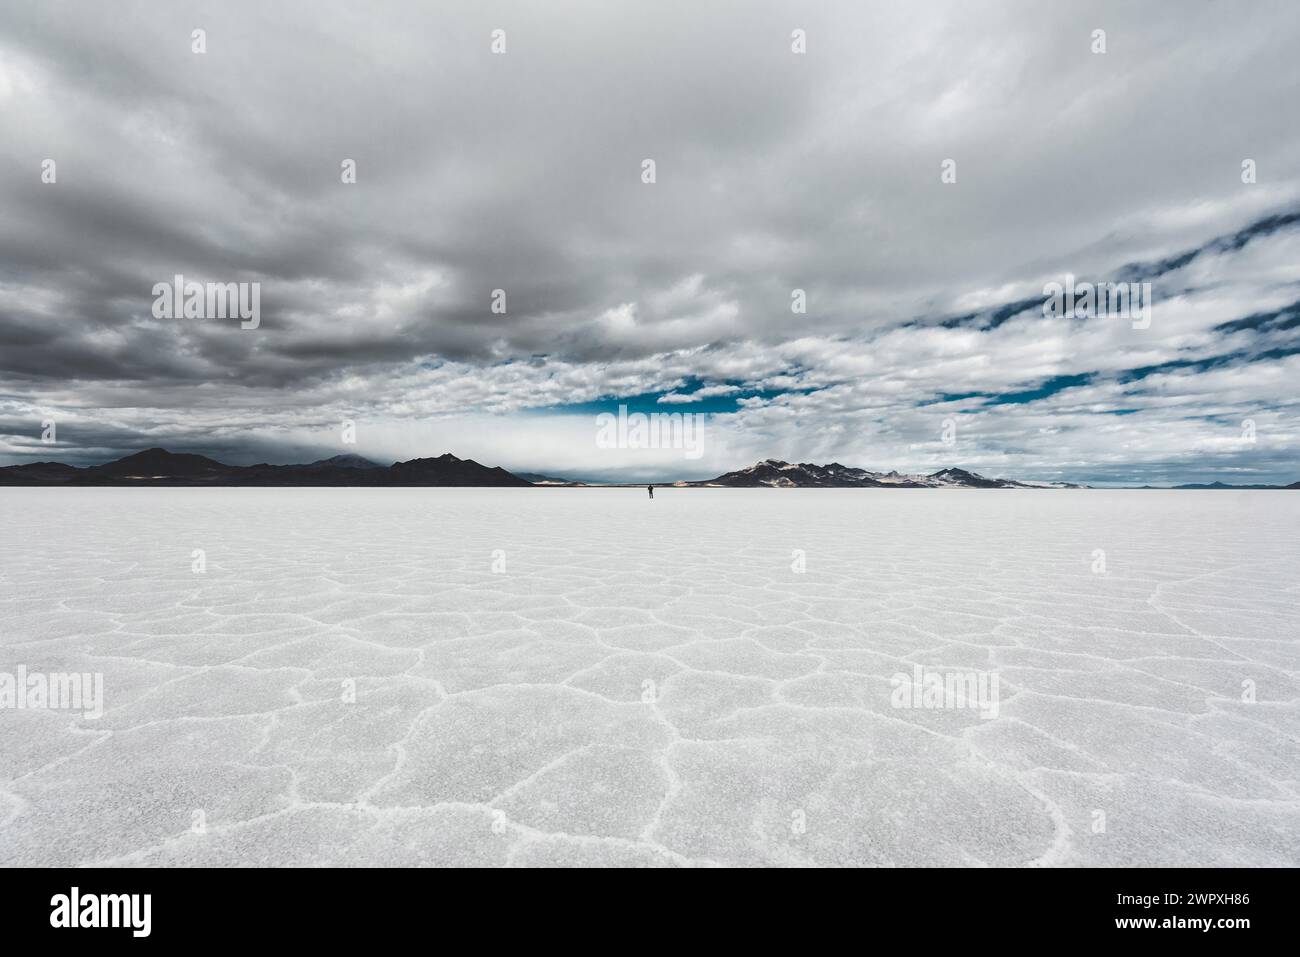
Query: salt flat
651,683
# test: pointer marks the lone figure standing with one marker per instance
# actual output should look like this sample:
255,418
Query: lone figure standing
651,490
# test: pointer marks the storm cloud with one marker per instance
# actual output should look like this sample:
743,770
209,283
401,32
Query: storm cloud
775,171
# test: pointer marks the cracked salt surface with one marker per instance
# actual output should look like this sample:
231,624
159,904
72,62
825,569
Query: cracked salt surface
649,683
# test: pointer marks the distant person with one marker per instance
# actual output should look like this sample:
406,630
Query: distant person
651,490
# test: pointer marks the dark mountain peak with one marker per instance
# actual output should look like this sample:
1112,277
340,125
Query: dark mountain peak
427,460
45,466
446,458
345,461
160,462
447,469
37,473
157,454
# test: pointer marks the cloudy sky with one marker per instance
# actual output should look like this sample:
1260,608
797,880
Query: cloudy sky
774,171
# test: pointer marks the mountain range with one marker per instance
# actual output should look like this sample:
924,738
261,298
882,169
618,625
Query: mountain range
773,473
158,467
1219,485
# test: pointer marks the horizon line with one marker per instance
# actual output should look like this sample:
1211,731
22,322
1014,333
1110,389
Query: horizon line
555,481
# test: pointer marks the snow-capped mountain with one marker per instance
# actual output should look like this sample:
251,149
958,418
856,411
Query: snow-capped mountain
773,473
